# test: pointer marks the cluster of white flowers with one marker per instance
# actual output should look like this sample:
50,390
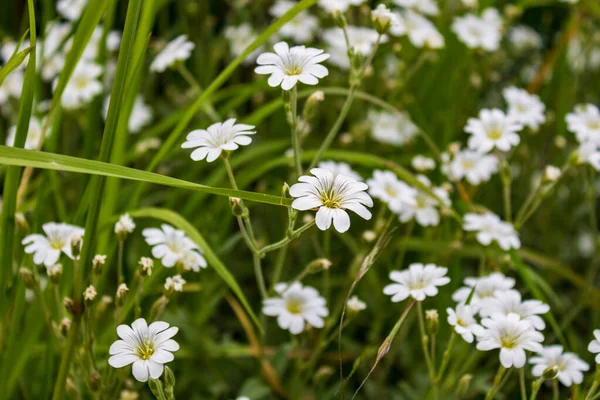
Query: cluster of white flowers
480,32
177,50
172,246
421,32
490,228
301,28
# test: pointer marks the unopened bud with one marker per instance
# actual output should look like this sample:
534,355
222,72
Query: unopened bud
65,325
433,321
339,19
156,387
550,372
311,102
76,242
89,295
146,265
21,223
71,389
285,189
69,305
28,278
95,381
382,19
54,273
121,294
129,395
369,236
323,373
551,174
236,206
560,142
318,265
169,378
512,12
463,385
98,264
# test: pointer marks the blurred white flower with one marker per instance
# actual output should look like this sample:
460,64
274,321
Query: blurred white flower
211,142
301,28
172,245
425,207
295,306
175,283
390,128
472,166
383,18
71,9
418,281
340,168
124,225
552,173
90,293
339,5
83,86
355,304
427,7
524,38
361,40
420,31
179,49
527,109
489,227
512,336
584,122
464,323
332,196
141,114
47,249
509,301
240,37
594,346
493,129
588,153
11,86
485,287
34,134
148,348
386,187
483,32
288,65
422,163
570,366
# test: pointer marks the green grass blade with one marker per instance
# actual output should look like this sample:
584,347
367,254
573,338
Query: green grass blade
13,63
213,260
58,162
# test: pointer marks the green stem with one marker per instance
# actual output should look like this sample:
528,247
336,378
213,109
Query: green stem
425,342
535,387
505,175
592,391
260,279
446,358
498,380
522,383
120,276
293,120
287,239
555,389
189,78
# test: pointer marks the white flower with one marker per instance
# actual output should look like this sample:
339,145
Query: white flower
594,346
47,249
332,196
124,225
178,49
148,348
428,7
584,122
71,9
12,86
552,173
483,32
527,109
589,153
355,304
386,187
425,207
340,168
420,31
90,293
422,163
361,40
490,228
387,127
485,287
493,129
141,114
146,263
472,166
210,142
570,366
172,245
175,283
509,301
288,65
34,134
240,37
296,306
384,18
512,336
340,5
463,321
83,85
301,28
418,281
524,38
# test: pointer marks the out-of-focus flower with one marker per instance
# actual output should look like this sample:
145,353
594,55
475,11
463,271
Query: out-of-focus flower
420,31
570,366
527,109
172,245
418,281
47,249
584,122
464,323
340,168
489,227
396,129
493,129
83,86
479,32
386,187
472,166
34,134
177,50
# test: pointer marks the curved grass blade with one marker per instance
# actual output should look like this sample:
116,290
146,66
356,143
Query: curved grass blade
13,63
213,260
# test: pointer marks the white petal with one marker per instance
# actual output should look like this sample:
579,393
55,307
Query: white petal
140,370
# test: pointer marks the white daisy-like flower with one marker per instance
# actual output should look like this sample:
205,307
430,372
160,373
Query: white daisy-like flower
472,166
509,301
570,366
339,5
485,287
47,249
141,114
361,40
386,187
512,336
464,323
11,86
296,306
418,281
391,128
584,122
420,31
594,346
490,227
71,9
356,304
332,196
493,129
177,50
148,348
383,18
340,168
422,163
34,134
210,142
301,28
172,245
588,153
425,207
524,38
483,32
239,38
288,65
427,7
124,225
527,109
83,86
175,283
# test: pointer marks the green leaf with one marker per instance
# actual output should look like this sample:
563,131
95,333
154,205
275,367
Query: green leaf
13,63
181,223
58,162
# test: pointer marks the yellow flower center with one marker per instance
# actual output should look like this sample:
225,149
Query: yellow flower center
294,306
494,133
57,243
145,350
389,189
508,342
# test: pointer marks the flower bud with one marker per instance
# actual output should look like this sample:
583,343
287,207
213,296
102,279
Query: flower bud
98,264
95,381
54,273
311,102
124,226
65,326
69,305
551,174
550,372
21,224
121,294
76,242
560,142
71,389
169,378
129,395
463,385
28,278
382,19
285,189
323,373
89,295
355,305
339,19
433,321
318,265
236,206
156,387
369,236
146,265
